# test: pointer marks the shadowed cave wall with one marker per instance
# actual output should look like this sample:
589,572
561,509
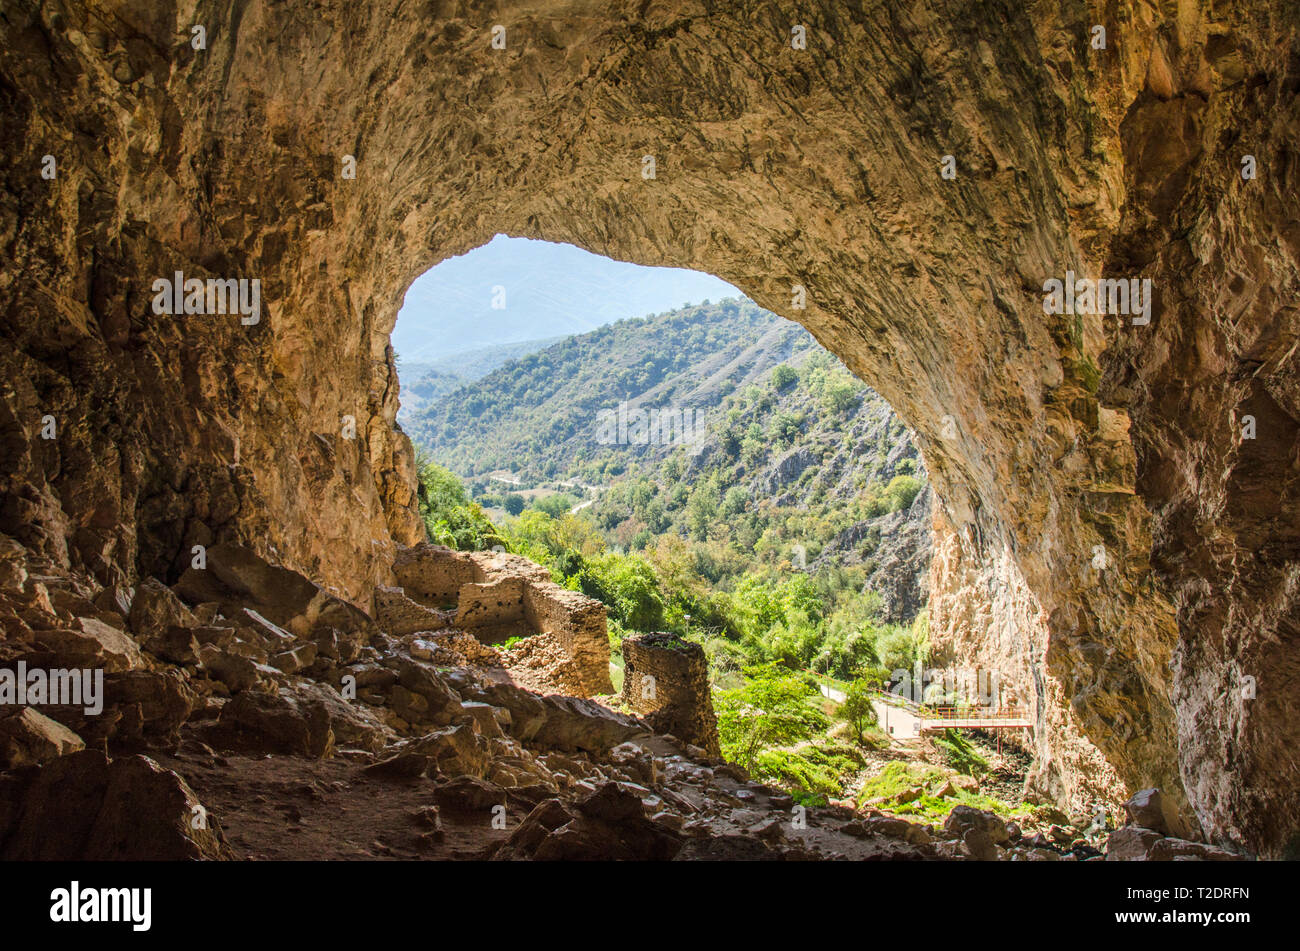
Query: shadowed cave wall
1046,436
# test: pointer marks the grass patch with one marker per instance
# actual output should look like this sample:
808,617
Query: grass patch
960,754
818,768
934,809
898,778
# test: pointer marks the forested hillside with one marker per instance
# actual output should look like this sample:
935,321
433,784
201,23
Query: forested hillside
790,459
788,530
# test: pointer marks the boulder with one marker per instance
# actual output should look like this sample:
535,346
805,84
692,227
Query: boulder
1151,810
156,608
469,794
1131,844
29,738
1060,835
138,706
116,598
176,644
236,671
454,750
485,715
238,579
635,761
276,723
979,844
86,807
92,643
400,766
1136,844
571,723
164,700
423,680
296,659
897,829
527,712
545,818
963,818
609,824
353,725
612,802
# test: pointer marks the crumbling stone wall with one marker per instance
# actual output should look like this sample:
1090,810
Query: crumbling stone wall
434,574
496,595
666,680
492,610
579,623
398,615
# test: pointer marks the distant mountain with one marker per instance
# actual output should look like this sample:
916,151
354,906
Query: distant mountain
764,443
537,416
425,383
514,289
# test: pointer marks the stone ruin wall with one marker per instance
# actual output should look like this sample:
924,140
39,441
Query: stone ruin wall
433,574
400,615
494,592
579,623
666,680
494,610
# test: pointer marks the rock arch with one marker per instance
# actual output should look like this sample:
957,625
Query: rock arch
1046,437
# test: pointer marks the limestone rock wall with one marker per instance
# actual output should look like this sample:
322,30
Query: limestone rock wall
1045,436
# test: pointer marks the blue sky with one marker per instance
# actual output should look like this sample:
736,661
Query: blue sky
550,289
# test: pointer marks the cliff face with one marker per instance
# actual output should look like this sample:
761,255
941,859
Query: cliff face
1048,439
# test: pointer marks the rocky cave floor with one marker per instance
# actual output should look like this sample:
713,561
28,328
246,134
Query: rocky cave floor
248,714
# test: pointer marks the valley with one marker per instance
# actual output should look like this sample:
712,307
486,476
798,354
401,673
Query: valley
789,538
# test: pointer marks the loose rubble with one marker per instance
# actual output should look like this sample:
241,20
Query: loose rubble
296,726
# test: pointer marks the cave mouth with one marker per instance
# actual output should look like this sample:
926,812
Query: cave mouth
581,433
981,608
1045,438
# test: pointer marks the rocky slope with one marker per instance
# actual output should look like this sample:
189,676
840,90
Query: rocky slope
1048,438
223,734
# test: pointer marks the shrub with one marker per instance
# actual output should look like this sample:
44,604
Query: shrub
784,376
449,517
857,707
770,710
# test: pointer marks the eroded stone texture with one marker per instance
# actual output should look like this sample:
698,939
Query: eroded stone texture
666,680
494,596
774,167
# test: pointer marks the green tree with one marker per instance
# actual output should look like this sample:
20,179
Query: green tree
449,517
784,376
771,709
555,505
628,587
514,503
857,707
901,491
703,508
